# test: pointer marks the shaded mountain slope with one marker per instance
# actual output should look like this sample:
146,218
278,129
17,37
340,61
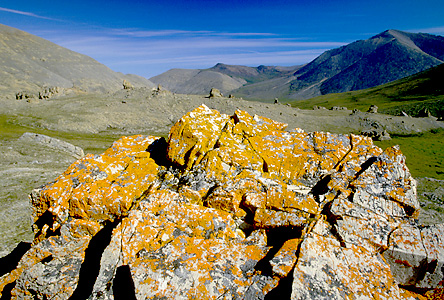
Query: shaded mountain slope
397,58
30,63
411,94
383,58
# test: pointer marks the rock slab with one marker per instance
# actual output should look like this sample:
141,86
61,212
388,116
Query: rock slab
230,207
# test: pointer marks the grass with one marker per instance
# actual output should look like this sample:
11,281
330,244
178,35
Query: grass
11,129
411,94
424,152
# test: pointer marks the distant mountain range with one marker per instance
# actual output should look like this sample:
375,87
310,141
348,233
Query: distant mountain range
224,77
28,62
383,58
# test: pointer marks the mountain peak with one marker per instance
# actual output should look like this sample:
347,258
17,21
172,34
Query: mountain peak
390,34
387,56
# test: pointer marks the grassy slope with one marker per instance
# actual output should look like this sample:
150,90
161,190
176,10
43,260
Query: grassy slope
409,94
424,152
91,143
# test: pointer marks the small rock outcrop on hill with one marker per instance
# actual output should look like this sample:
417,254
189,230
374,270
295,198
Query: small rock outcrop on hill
215,93
161,91
127,85
373,109
230,207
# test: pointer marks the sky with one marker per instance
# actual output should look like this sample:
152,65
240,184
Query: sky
148,38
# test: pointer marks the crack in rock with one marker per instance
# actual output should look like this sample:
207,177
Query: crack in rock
230,207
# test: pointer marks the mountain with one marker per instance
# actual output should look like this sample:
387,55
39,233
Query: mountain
412,94
224,77
191,81
383,58
28,62
397,54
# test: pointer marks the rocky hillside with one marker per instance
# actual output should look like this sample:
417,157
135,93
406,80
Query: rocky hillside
230,207
30,63
386,57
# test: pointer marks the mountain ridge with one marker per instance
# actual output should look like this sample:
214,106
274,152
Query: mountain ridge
385,57
231,77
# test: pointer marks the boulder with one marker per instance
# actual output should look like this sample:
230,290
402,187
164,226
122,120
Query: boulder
230,207
50,92
25,95
373,109
161,91
374,130
127,85
54,143
377,134
338,108
215,93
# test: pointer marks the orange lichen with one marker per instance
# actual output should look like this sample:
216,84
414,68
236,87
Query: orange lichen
236,204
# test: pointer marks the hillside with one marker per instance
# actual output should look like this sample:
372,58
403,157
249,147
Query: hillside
388,56
198,82
398,54
226,78
30,63
411,94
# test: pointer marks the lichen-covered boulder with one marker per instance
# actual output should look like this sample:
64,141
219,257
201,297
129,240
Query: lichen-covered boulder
230,207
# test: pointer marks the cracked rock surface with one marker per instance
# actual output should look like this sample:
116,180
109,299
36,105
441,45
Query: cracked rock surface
230,207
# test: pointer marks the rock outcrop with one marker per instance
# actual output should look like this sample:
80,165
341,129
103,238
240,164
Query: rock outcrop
230,207
127,85
53,143
373,109
160,91
50,92
215,93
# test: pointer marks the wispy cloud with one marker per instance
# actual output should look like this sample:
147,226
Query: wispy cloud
250,59
167,33
25,13
155,33
431,30
151,52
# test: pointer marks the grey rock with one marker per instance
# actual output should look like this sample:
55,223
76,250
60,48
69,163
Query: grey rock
215,93
373,109
53,143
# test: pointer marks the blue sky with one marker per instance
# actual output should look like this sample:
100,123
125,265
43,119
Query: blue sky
150,37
